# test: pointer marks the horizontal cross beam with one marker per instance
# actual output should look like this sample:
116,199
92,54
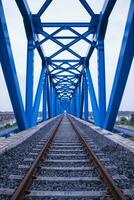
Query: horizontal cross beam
57,24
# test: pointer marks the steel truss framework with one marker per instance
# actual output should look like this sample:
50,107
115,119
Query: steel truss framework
66,83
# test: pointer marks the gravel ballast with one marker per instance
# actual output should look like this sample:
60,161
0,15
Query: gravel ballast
50,178
10,160
119,156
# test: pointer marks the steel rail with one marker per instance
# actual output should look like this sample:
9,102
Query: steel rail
113,189
23,188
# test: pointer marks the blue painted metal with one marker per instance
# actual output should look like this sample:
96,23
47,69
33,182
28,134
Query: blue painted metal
56,24
94,104
48,97
44,7
51,98
6,132
101,82
54,102
87,7
38,96
44,102
59,106
29,82
65,83
78,101
122,71
85,100
101,31
64,47
27,17
82,98
73,106
9,71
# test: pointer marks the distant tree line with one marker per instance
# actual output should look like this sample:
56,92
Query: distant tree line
125,121
132,119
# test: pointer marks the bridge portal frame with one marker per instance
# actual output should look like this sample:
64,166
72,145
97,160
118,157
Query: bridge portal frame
72,96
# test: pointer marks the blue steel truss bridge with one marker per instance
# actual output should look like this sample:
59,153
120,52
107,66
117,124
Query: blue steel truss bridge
65,81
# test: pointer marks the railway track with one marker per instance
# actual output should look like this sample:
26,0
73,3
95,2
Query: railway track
64,166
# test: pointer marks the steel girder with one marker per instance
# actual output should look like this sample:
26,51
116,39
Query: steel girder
65,83
122,70
9,71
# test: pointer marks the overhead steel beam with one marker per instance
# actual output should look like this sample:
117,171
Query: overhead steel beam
29,26
78,34
58,24
87,7
44,7
48,37
59,83
103,19
59,60
107,8
27,16
64,47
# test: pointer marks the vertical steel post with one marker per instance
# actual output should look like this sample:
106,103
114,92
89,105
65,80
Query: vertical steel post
93,98
44,103
101,82
82,98
85,100
80,94
59,106
69,107
72,105
56,112
48,97
54,102
38,96
51,98
75,104
29,81
77,101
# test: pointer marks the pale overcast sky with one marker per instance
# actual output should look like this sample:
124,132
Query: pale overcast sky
62,11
